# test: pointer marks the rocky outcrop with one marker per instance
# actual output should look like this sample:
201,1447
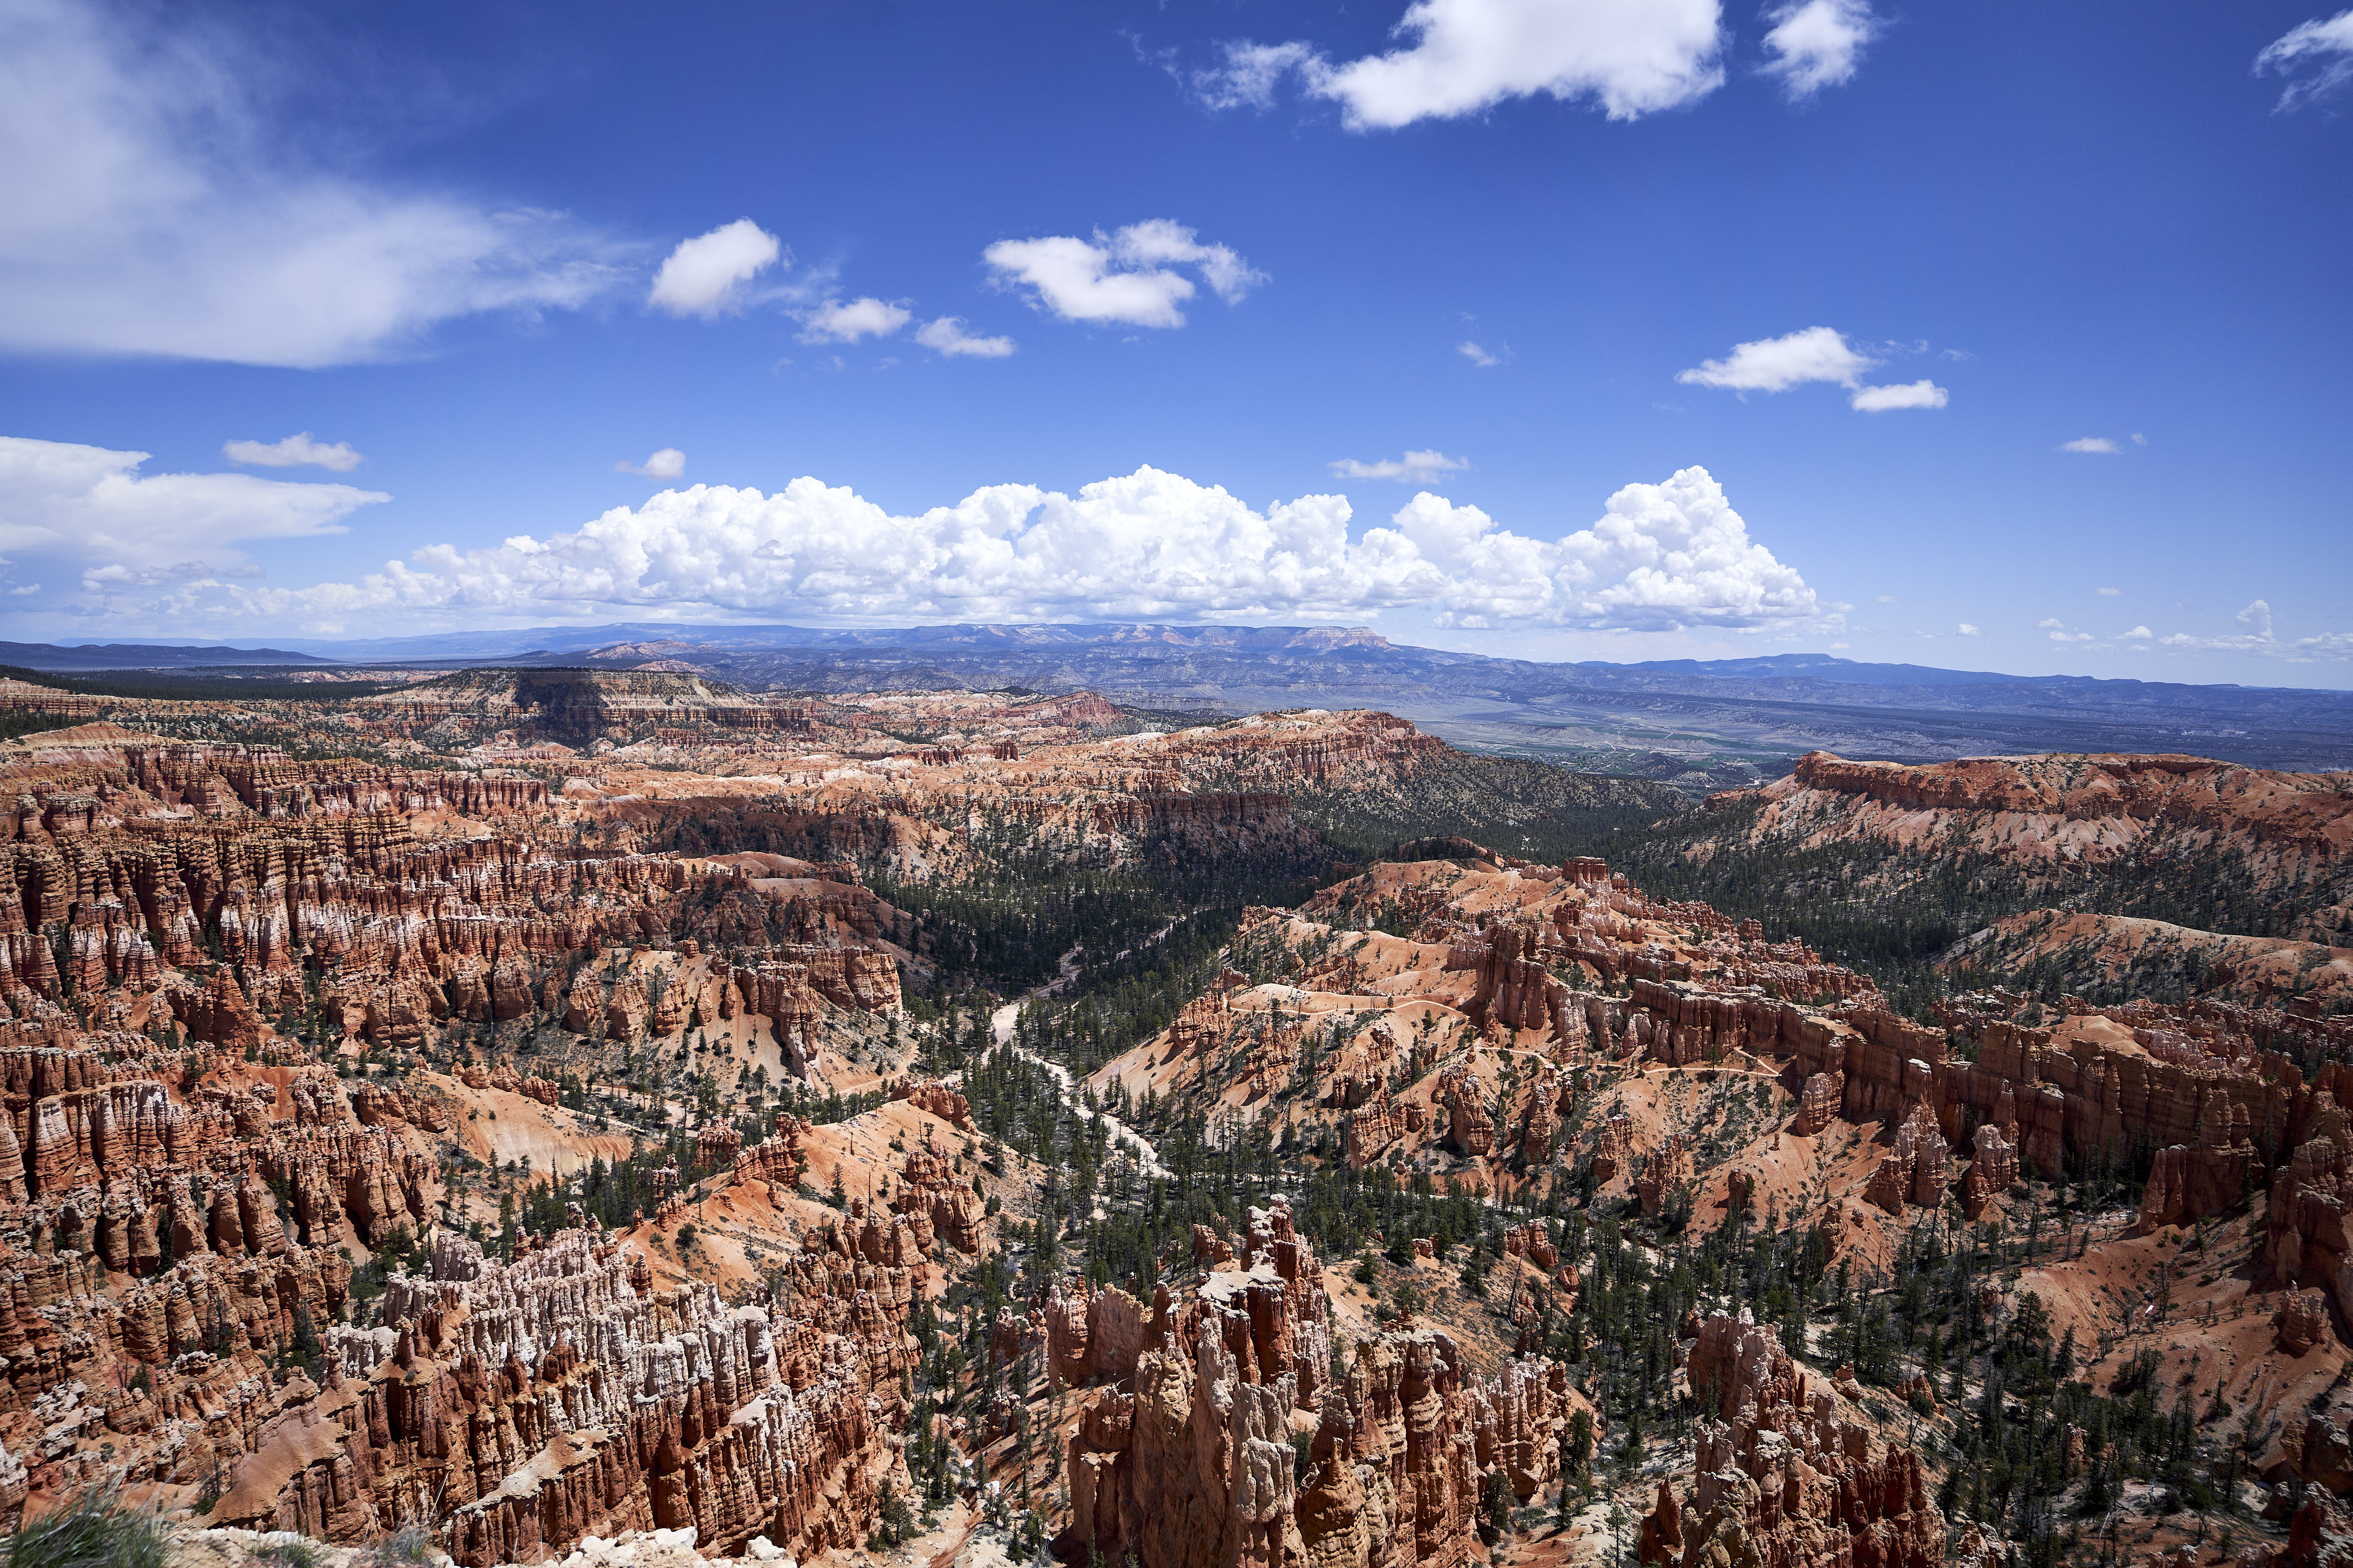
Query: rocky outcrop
939,1100
2302,1321
1371,1131
1534,1242
1196,1465
377,1105
1917,1171
1993,1171
1091,1336
1669,1167
2305,1244
1818,1103
1662,1539
1612,1146
1469,1127
2190,1182
555,1397
929,1189
1785,1475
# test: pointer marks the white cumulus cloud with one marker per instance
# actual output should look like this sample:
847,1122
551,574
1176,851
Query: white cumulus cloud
947,336
2109,592
1776,364
1415,468
294,452
1127,278
2136,634
1817,43
1150,544
1460,57
155,207
670,463
1478,355
89,506
2096,444
705,276
2325,46
847,321
1908,394
1968,630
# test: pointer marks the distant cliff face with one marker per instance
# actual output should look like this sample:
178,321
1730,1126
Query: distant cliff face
576,707
1903,863
2067,807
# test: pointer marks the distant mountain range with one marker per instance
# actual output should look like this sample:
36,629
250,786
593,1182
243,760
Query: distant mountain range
1693,722
70,658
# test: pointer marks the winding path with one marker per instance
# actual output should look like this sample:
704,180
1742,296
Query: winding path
1003,1023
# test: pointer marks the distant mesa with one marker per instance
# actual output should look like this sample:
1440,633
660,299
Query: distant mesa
576,707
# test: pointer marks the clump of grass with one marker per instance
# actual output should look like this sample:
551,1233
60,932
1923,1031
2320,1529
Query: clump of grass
290,1554
404,1548
96,1530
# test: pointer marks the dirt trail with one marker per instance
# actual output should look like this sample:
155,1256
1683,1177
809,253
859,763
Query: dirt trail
1003,1021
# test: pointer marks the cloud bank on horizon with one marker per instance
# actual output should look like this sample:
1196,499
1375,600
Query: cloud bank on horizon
166,550
1662,556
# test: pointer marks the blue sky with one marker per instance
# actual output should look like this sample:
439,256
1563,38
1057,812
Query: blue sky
1124,310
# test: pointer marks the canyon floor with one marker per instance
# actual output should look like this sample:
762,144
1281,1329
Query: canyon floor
538,1110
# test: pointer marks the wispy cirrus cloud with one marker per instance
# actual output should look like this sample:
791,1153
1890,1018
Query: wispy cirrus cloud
2322,46
1426,468
302,450
947,336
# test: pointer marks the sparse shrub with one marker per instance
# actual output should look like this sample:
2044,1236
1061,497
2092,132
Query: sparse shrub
404,1548
96,1530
